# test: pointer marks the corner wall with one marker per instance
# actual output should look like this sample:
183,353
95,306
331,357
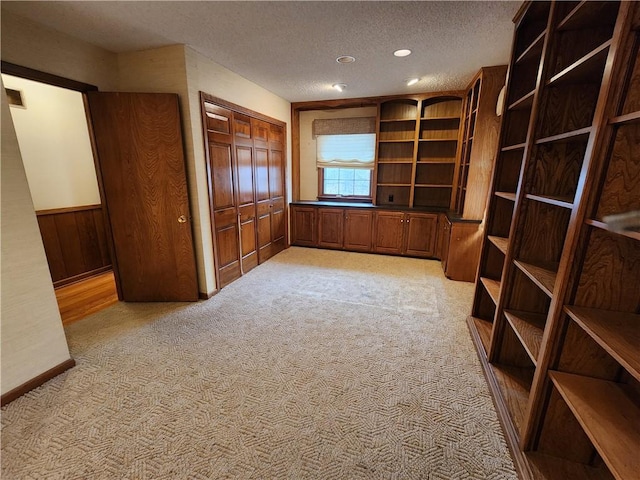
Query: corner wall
33,339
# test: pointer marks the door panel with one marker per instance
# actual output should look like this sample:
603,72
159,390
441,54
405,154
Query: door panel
421,234
140,150
222,176
245,174
388,232
330,227
276,187
262,174
357,230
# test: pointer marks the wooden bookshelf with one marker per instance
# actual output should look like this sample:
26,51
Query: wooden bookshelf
564,351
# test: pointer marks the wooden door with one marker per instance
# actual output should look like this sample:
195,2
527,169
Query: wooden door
304,226
139,147
277,189
263,195
421,232
244,169
358,226
330,227
220,171
388,232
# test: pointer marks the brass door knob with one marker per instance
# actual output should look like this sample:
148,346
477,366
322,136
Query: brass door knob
182,219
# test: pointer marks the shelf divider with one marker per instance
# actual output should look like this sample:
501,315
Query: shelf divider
558,201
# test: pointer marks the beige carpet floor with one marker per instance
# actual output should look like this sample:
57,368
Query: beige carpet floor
316,365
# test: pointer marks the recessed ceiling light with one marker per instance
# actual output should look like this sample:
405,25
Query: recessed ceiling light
339,86
345,59
413,81
403,52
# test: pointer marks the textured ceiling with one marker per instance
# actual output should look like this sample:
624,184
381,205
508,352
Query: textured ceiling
290,48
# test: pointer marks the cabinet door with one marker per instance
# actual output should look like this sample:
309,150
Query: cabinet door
464,251
304,226
388,232
421,234
358,226
446,236
330,227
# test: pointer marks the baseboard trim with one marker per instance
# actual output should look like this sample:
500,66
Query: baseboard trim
82,276
11,395
520,461
206,296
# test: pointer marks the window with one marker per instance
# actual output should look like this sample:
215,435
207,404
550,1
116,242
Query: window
345,182
345,165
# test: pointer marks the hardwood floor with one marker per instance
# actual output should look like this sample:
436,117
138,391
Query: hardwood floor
83,298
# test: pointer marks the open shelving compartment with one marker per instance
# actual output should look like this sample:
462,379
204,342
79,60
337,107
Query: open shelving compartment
417,150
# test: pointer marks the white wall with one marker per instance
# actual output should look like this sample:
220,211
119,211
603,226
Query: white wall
32,45
308,170
33,340
54,143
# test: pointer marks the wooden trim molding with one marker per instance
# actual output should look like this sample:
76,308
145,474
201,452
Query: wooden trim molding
205,97
35,382
44,77
206,296
54,211
82,276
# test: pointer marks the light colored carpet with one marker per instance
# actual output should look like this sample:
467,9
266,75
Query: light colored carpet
316,365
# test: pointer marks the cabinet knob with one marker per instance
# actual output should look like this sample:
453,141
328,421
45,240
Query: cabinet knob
182,219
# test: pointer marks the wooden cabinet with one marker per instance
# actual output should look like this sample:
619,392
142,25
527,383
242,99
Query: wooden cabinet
365,229
358,230
389,232
402,233
462,248
417,150
555,314
304,226
420,234
330,227
246,171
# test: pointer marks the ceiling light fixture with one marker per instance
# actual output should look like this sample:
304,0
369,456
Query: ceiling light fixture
345,59
403,52
339,86
413,81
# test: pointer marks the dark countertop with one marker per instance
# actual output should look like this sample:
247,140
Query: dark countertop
452,216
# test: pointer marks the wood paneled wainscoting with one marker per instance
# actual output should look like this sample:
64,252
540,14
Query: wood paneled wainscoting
75,242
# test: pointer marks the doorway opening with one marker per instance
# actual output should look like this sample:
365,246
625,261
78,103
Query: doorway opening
51,124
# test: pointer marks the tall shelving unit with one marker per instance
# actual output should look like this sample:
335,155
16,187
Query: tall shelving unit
418,142
555,315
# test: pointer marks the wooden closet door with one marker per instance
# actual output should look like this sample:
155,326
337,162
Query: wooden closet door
244,166
139,147
223,198
263,192
277,189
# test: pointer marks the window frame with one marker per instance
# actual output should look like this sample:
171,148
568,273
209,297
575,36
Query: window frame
344,198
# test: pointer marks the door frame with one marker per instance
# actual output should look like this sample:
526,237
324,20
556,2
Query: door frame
69,84
205,97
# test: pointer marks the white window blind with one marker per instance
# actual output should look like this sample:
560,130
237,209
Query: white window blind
346,151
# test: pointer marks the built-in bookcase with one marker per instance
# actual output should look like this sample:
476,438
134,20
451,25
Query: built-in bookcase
556,309
418,142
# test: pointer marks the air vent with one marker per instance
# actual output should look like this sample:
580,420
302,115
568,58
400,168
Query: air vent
14,97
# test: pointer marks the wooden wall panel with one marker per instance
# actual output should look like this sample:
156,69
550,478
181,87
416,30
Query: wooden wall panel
75,242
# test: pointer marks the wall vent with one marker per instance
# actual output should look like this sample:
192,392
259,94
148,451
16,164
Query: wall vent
15,97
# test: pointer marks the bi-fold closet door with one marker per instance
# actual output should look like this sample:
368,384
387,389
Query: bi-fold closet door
245,167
